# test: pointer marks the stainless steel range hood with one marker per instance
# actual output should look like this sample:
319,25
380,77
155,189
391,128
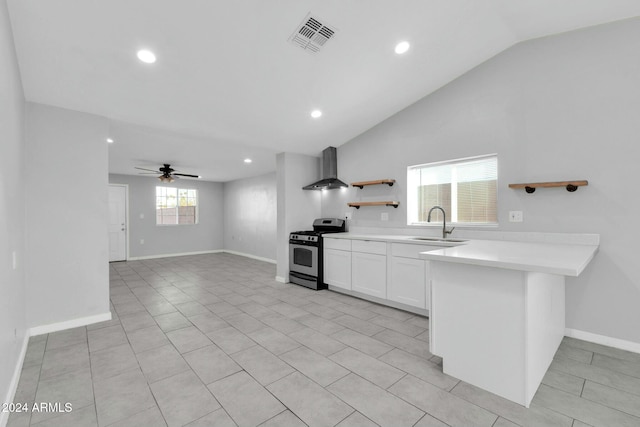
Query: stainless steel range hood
329,179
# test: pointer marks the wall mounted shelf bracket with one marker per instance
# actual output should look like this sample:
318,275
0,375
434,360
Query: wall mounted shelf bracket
571,186
357,205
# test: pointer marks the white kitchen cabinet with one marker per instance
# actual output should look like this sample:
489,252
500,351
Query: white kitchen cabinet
410,275
408,284
337,268
369,273
383,272
337,262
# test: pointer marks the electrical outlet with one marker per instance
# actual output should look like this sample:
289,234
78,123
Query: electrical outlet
141,216
347,215
384,216
142,241
515,216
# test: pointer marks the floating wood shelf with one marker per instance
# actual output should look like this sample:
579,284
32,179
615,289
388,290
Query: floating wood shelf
571,186
362,184
386,203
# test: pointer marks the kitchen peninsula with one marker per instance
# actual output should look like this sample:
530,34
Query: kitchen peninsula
500,305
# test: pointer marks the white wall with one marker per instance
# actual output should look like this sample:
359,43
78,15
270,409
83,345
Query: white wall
12,223
558,108
297,208
250,210
207,235
67,215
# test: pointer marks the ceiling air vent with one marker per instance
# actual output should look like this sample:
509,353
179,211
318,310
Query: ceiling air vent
312,34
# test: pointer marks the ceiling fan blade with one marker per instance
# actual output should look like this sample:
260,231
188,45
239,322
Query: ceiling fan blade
149,173
187,175
144,169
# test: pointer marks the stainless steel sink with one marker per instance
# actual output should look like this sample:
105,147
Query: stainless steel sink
439,239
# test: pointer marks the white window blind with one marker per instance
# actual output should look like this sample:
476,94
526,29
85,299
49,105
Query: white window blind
465,188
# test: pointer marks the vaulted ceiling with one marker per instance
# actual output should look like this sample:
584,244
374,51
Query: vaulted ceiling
228,84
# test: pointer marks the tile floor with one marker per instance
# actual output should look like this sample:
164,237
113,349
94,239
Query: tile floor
213,340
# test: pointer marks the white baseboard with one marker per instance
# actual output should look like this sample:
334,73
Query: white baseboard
15,379
259,258
68,324
281,279
603,340
214,251
138,258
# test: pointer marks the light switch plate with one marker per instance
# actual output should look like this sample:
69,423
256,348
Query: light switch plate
515,216
384,216
347,215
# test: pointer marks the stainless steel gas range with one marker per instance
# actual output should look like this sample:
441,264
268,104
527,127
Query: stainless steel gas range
305,252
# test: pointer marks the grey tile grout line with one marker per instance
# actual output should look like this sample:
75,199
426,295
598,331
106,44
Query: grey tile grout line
588,400
427,414
597,382
397,381
610,407
354,411
392,394
310,379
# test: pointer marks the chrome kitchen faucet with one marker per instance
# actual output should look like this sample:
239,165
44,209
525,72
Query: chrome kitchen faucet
444,221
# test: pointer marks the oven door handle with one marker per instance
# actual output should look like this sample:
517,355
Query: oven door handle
303,243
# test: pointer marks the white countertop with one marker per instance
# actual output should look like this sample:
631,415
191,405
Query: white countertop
566,260
393,239
552,258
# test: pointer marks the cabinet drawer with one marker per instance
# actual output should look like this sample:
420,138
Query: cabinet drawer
408,250
369,247
340,244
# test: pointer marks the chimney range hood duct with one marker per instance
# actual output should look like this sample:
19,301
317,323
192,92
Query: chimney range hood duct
329,179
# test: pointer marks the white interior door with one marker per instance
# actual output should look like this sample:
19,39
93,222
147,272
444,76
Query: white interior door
117,223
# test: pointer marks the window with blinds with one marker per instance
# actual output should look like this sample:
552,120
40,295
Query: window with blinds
465,188
176,206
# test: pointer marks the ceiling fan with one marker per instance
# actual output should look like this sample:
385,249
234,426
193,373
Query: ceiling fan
167,173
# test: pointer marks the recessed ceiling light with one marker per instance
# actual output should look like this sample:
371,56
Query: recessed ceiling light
402,47
248,160
110,141
146,56
316,114
199,176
